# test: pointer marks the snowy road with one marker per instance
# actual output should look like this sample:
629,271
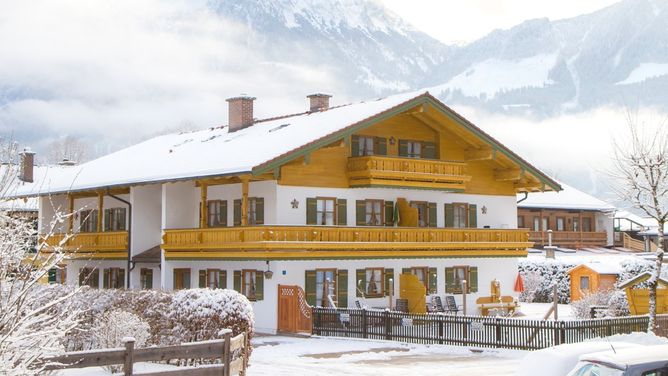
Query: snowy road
275,355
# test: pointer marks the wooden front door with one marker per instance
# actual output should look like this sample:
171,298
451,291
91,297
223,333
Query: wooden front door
294,314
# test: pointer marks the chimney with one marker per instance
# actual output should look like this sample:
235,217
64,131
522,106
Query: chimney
27,164
240,112
319,101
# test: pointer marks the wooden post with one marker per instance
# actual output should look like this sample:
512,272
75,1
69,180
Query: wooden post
391,295
227,356
203,211
70,222
556,300
244,201
129,350
100,210
464,290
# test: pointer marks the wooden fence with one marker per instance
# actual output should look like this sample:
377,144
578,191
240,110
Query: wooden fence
232,352
477,331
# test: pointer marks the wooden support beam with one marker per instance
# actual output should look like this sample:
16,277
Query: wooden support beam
482,154
88,194
203,206
244,200
70,222
508,174
100,210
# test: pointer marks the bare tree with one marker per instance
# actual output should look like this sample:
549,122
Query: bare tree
641,172
66,148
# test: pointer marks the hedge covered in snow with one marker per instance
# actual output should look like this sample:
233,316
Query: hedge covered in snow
540,275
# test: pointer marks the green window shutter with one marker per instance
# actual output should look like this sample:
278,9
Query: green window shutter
360,211
309,287
122,219
433,281
389,213
105,280
121,279
450,281
259,285
342,212
473,279
473,216
432,214
237,280
237,212
107,219
360,282
82,277
311,211
389,275
449,215
342,288
52,275
381,146
223,213
202,279
429,150
259,211
96,279
354,146
222,279
403,148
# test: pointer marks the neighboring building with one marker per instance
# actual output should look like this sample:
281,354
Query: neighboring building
630,230
340,200
577,220
593,277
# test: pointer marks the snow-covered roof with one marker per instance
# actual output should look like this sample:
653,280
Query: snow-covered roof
217,152
601,267
642,221
568,198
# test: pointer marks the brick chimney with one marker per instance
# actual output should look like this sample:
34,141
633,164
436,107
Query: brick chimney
27,164
319,101
240,112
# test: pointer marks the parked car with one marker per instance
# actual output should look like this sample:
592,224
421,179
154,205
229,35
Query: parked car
643,361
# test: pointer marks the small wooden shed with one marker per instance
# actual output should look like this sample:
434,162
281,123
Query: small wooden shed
592,277
639,298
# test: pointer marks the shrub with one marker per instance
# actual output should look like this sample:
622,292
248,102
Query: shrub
549,272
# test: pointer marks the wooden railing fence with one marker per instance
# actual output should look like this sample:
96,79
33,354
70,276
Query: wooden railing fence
232,352
480,331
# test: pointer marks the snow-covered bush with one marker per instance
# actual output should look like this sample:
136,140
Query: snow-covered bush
581,308
110,329
532,284
548,272
618,304
633,267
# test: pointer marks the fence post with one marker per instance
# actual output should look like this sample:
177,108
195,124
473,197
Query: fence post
562,329
440,330
388,326
365,330
227,336
497,324
129,355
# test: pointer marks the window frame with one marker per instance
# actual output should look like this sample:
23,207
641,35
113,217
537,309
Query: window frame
88,220
410,144
585,278
210,217
520,221
380,282
362,144
465,207
417,205
114,274
467,277
318,213
251,213
181,272
563,223
146,274
216,278
117,224
425,271
88,280
380,216
252,297
320,286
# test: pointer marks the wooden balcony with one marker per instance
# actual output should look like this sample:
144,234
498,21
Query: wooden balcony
406,172
299,242
91,244
571,239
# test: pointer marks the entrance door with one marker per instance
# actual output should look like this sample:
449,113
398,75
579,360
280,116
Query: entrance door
294,314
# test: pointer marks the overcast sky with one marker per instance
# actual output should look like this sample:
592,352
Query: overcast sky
463,21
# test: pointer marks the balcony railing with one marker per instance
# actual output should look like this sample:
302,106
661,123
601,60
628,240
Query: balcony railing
89,241
571,239
396,171
319,240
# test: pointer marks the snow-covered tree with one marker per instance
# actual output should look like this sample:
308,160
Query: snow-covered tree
641,172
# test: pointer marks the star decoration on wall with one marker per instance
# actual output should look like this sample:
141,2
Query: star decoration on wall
294,203
484,209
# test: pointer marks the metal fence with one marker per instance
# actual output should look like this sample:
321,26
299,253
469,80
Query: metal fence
480,331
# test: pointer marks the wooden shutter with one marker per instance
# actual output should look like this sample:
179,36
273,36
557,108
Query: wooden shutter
389,274
259,285
95,278
105,279
473,279
429,150
122,219
450,287
432,214
360,212
389,213
381,146
107,219
82,276
403,148
52,275
237,213
354,146
449,215
222,279
202,279
223,213
121,279
473,216
309,287
311,211
433,281
360,282
259,211
237,280
342,288
342,212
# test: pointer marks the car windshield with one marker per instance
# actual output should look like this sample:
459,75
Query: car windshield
594,369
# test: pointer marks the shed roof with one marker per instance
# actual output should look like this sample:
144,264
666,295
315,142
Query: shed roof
568,198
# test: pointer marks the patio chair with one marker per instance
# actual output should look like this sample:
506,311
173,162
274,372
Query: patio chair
402,305
358,304
451,304
437,303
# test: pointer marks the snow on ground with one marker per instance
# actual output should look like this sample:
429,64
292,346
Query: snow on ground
643,72
536,311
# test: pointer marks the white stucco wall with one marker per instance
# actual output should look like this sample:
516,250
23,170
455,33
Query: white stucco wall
73,267
146,219
604,222
89,203
48,207
180,205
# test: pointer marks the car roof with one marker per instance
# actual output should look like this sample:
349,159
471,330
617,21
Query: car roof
623,358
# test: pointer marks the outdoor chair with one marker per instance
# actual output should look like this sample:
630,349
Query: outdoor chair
437,303
358,304
451,304
402,305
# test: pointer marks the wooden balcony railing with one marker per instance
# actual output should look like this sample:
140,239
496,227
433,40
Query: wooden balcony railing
397,171
90,241
571,239
321,240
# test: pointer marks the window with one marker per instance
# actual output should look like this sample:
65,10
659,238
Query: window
365,146
584,283
546,224
216,213
374,213
461,215
520,221
414,149
374,282
114,219
89,277
456,274
88,220
325,284
58,275
656,372
114,278
423,212
181,279
536,223
216,279
576,224
253,209
561,224
248,284
146,278
422,273
325,213
586,224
